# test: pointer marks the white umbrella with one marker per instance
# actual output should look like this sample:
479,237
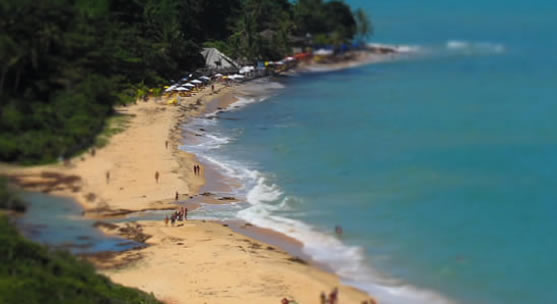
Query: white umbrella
323,52
204,78
236,76
172,87
182,89
196,81
189,85
218,75
246,69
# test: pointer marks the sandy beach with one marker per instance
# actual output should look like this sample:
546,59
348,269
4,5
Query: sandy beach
195,261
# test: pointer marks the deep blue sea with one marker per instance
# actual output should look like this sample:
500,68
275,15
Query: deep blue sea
441,168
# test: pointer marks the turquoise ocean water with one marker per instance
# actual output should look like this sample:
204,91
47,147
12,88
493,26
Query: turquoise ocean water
441,169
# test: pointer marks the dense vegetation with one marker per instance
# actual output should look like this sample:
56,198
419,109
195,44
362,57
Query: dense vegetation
31,273
9,199
66,63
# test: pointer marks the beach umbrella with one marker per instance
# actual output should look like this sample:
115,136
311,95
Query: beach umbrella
204,78
182,89
218,75
190,85
172,87
323,52
196,81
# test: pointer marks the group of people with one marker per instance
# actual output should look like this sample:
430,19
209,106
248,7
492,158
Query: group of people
196,169
178,215
332,299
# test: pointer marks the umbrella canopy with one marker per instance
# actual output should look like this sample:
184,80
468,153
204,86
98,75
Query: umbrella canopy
196,81
171,88
189,85
204,78
246,69
218,75
323,52
182,89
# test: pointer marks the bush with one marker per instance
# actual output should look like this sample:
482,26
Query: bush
9,199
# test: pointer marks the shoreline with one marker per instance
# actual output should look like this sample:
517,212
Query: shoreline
192,107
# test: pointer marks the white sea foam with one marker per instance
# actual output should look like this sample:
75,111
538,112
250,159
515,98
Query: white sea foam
474,47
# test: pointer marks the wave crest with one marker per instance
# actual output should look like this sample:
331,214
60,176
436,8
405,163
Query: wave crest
475,47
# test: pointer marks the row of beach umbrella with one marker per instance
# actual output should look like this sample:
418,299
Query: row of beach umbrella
202,79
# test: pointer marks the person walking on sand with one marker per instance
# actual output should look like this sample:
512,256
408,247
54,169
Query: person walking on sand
166,144
213,88
157,176
194,169
166,221
323,298
185,214
333,296
176,196
107,177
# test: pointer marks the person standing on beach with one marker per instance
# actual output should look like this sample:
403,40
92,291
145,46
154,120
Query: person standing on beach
157,176
213,88
194,169
107,177
166,221
185,214
166,144
177,196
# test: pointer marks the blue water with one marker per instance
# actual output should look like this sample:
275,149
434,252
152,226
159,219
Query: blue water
58,222
441,169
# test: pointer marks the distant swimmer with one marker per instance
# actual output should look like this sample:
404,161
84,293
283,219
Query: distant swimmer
338,230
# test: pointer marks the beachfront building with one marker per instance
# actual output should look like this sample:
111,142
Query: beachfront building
217,61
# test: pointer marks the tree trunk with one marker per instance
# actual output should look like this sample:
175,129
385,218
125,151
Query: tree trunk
2,78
